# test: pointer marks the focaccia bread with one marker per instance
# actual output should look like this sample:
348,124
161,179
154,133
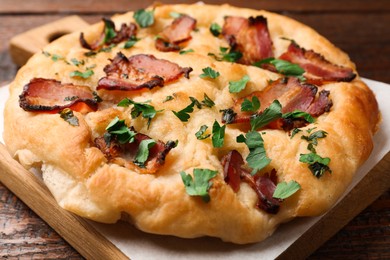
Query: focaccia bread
193,120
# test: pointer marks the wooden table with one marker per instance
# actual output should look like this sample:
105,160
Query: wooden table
359,27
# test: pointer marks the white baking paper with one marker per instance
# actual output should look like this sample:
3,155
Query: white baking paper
138,245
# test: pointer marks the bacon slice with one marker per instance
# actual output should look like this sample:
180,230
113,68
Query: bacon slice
177,32
264,186
140,71
49,95
124,33
248,36
293,95
318,69
124,154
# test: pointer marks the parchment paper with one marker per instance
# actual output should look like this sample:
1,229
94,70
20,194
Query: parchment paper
138,245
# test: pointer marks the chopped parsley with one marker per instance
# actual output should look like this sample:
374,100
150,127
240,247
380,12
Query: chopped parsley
186,51
271,113
250,106
218,137
130,42
147,111
294,132
144,18
228,115
215,29
56,57
200,135
317,164
284,67
237,86
257,158
299,114
168,98
84,75
119,129
183,114
175,14
77,62
109,30
200,184
68,116
207,102
209,73
226,54
143,152
284,190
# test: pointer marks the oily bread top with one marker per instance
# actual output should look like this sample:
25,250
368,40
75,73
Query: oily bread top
82,181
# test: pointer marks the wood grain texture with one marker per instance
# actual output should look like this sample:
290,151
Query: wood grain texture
358,27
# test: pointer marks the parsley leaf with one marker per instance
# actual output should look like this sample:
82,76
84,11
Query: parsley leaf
147,111
175,14
228,115
109,30
183,114
186,51
68,116
209,73
317,164
168,98
77,62
121,131
143,151
226,54
218,137
299,114
257,158
144,18
284,67
56,57
215,29
237,86
284,190
130,42
249,106
207,102
200,135
313,138
200,184
294,132
84,75
271,113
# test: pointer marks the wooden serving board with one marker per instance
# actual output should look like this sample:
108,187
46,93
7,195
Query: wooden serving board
93,245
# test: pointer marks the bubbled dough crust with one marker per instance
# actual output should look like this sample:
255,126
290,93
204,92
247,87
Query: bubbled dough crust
82,181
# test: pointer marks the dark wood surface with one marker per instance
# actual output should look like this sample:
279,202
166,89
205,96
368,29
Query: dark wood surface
359,27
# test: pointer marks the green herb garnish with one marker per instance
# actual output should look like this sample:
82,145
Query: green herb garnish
109,30
250,106
284,190
77,62
183,114
130,42
299,114
144,18
209,73
215,29
237,86
200,135
200,184
84,75
226,54
218,135
271,113
120,130
175,14
168,98
317,164
207,102
147,111
257,158
186,51
143,151
284,67
68,116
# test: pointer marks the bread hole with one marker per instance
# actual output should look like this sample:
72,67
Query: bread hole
54,36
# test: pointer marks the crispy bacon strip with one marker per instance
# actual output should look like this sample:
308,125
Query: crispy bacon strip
318,69
293,95
124,154
248,36
174,34
49,95
140,71
124,33
264,186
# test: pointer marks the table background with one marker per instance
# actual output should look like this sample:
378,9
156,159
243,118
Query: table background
359,27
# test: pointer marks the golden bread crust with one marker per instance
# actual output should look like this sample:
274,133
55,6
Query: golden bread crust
83,181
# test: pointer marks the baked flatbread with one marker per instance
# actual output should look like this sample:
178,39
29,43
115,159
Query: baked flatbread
230,121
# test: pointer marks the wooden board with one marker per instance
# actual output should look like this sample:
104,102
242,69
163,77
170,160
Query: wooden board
92,245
